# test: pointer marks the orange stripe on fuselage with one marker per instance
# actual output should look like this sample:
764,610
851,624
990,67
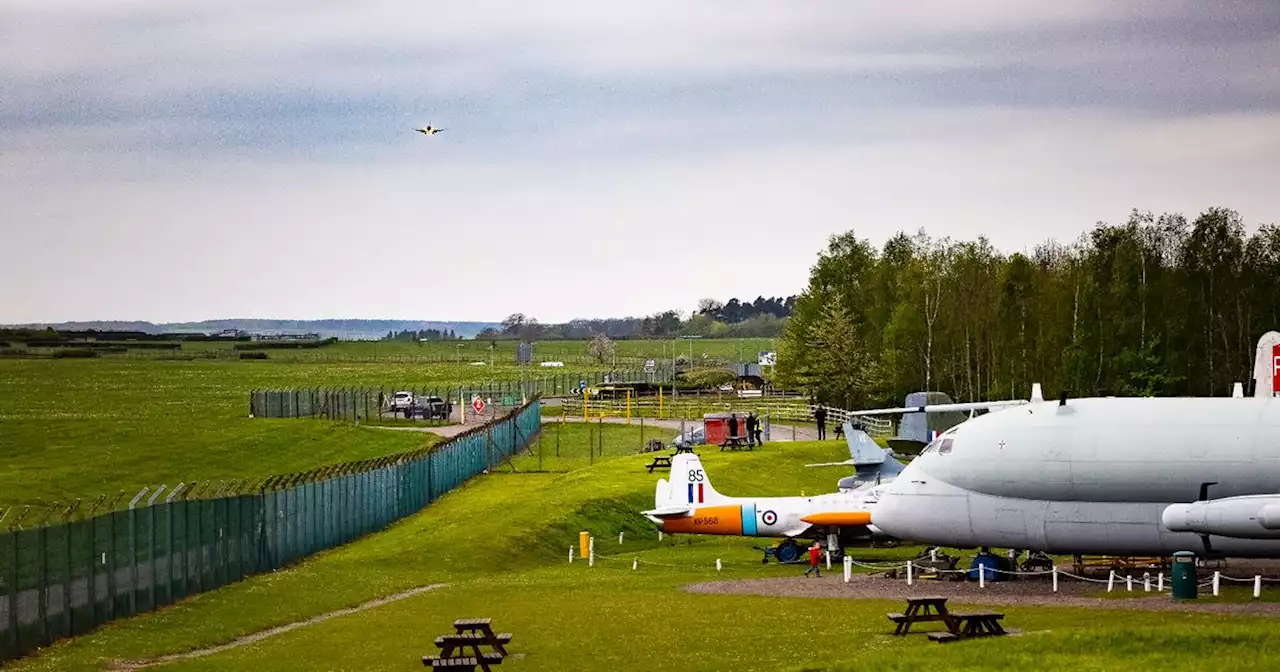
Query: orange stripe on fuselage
847,518
708,520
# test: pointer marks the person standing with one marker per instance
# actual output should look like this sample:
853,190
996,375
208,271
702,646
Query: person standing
733,425
751,428
820,415
759,434
815,555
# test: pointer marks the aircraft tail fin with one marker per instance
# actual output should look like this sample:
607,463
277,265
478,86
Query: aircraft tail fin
1266,367
690,485
862,449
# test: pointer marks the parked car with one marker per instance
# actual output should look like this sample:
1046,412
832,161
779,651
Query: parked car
693,437
429,408
401,401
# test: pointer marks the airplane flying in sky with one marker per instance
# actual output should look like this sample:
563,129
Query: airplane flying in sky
428,130
689,504
1114,476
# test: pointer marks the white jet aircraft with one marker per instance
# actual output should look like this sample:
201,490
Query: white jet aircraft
428,130
1114,476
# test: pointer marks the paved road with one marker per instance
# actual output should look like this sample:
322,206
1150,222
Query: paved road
777,432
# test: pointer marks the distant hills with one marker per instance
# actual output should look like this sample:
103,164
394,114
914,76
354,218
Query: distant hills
344,329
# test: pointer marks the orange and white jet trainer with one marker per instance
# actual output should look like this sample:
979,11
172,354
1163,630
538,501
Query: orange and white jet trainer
689,504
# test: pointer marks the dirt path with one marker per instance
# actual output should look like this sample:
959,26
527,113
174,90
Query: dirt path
777,433
1035,592
125,665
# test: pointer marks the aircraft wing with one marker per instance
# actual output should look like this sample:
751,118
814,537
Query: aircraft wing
668,512
942,408
846,463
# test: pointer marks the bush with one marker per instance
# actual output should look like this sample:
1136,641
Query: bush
709,377
12,352
284,345
253,355
76,353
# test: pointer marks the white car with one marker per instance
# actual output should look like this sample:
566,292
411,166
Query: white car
401,401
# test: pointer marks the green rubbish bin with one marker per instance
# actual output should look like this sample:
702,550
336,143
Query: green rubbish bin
1184,575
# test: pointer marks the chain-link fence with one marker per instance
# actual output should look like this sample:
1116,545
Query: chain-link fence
65,579
372,404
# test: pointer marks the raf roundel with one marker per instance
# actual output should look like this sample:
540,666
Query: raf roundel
769,517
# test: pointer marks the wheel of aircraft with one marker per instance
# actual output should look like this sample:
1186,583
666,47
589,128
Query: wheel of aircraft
788,551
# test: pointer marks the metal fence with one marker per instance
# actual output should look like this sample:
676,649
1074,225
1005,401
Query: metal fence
778,408
66,579
370,404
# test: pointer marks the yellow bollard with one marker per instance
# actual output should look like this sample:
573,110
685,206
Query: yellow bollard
660,415
584,544
628,407
584,405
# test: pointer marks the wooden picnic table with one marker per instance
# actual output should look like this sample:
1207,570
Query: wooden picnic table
685,449
734,443
920,609
960,625
469,633
660,462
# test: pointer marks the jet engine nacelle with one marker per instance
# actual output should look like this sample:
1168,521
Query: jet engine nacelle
1248,517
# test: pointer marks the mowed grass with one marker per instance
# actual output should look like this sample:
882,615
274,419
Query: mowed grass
79,429
500,543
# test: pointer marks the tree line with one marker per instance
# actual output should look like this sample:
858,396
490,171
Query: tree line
762,318
1154,306
416,335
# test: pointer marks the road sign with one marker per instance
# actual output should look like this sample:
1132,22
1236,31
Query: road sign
768,358
478,404
650,366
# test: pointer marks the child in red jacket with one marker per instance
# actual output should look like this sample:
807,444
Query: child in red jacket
815,554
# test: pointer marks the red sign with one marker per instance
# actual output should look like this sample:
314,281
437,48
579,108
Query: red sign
478,404
1275,369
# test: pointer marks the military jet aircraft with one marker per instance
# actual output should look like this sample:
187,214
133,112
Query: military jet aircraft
428,130
689,504
1111,476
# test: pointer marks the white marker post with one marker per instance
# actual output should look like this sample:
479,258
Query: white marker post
1146,582
659,536
620,537
635,564
717,564
1055,578
982,575
909,577
1111,580
591,550
1160,582
848,569
1257,586
828,560
571,555
1128,583
1217,577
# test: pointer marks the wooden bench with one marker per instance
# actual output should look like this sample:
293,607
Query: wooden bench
660,462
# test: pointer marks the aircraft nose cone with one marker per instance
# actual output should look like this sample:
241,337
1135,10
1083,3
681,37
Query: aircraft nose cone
1177,518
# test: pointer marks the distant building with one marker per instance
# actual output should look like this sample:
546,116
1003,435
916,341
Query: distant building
231,333
286,337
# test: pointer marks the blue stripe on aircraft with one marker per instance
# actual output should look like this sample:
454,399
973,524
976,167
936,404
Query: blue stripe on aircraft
690,493
749,520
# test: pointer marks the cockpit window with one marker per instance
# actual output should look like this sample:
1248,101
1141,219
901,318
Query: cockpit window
945,446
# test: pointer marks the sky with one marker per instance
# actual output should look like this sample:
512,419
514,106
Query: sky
169,160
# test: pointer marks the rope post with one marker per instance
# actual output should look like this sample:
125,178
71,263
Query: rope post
620,537
591,552
717,564
828,560
1217,577
571,555
1111,579
909,576
982,575
1146,582
1160,582
1055,578
1128,583
635,564
848,569
1257,586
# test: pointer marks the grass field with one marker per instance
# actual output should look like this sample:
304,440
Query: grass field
500,545
573,353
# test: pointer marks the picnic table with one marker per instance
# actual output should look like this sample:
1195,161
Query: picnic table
685,449
660,462
960,625
469,633
735,443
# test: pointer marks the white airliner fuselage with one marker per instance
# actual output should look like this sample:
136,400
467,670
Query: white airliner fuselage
1096,476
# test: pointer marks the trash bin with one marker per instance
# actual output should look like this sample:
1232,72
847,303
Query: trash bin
1184,575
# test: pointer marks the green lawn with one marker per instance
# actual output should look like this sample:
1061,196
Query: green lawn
501,542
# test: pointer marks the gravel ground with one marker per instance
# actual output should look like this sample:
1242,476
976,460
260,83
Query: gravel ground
1072,593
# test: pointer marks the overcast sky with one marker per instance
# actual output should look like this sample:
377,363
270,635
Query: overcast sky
169,160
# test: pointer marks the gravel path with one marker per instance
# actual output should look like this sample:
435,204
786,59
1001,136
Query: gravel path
1028,592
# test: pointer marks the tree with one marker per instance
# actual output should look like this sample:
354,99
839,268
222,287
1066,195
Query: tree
600,348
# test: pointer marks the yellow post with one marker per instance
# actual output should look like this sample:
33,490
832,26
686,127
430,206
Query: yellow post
660,415
584,405
628,407
584,544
